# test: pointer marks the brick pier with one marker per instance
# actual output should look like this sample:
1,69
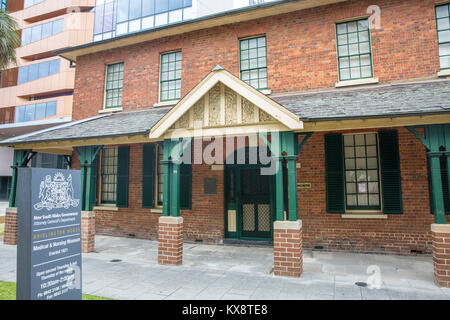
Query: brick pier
288,255
441,254
170,241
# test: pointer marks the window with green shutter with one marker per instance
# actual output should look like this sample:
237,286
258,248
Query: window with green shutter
170,76
443,30
363,172
114,84
109,162
354,50
253,62
148,175
185,186
123,171
362,183
334,167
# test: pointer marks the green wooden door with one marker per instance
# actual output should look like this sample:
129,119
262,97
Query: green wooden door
255,204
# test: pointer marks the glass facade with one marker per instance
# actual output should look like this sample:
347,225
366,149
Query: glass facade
29,3
38,70
42,31
253,62
109,165
354,50
170,77
118,17
35,111
114,84
3,5
362,172
443,28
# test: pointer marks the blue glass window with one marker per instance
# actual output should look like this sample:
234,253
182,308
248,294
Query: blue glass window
148,7
161,6
135,9
3,5
41,31
35,111
37,71
175,4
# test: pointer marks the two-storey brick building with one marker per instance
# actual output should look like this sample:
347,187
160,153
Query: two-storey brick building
347,100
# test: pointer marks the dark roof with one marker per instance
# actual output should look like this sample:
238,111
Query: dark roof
370,101
431,97
111,125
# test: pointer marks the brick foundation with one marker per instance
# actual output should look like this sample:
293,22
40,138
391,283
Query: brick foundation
10,235
441,254
87,231
287,244
170,241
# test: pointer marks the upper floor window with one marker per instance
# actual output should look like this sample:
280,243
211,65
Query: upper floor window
41,31
3,5
37,71
114,84
29,3
253,62
354,50
35,111
170,78
443,29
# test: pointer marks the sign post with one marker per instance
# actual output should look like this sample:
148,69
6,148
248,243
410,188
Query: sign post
49,234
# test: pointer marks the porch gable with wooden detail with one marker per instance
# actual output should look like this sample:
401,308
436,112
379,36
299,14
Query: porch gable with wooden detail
223,105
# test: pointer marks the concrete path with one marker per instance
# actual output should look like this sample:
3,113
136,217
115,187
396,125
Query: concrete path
214,272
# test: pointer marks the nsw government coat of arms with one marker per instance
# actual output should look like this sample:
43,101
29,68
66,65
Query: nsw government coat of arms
57,193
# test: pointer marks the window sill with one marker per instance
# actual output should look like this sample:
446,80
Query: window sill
105,208
358,82
266,91
112,110
166,103
156,210
444,73
364,216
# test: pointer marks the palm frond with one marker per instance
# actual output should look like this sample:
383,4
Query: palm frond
9,39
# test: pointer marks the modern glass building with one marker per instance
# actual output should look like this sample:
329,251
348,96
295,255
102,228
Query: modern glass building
114,18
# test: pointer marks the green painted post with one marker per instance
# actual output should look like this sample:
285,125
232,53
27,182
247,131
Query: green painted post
276,148
167,148
175,194
292,180
279,206
20,160
83,187
87,156
436,183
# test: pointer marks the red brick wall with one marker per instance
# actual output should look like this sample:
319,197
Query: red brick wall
398,234
301,53
204,222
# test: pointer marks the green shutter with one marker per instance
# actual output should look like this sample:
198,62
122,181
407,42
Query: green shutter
185,186
334,166
148,175
94,181
390,172
122,176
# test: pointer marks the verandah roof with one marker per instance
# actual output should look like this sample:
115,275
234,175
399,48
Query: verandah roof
421,99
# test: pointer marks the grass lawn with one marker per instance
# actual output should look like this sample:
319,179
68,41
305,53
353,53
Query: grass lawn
8,292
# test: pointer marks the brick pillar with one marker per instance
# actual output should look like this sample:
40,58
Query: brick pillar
287,243
10,235
441,254
170,240
87,231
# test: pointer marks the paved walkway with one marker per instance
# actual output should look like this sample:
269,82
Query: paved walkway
233,272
